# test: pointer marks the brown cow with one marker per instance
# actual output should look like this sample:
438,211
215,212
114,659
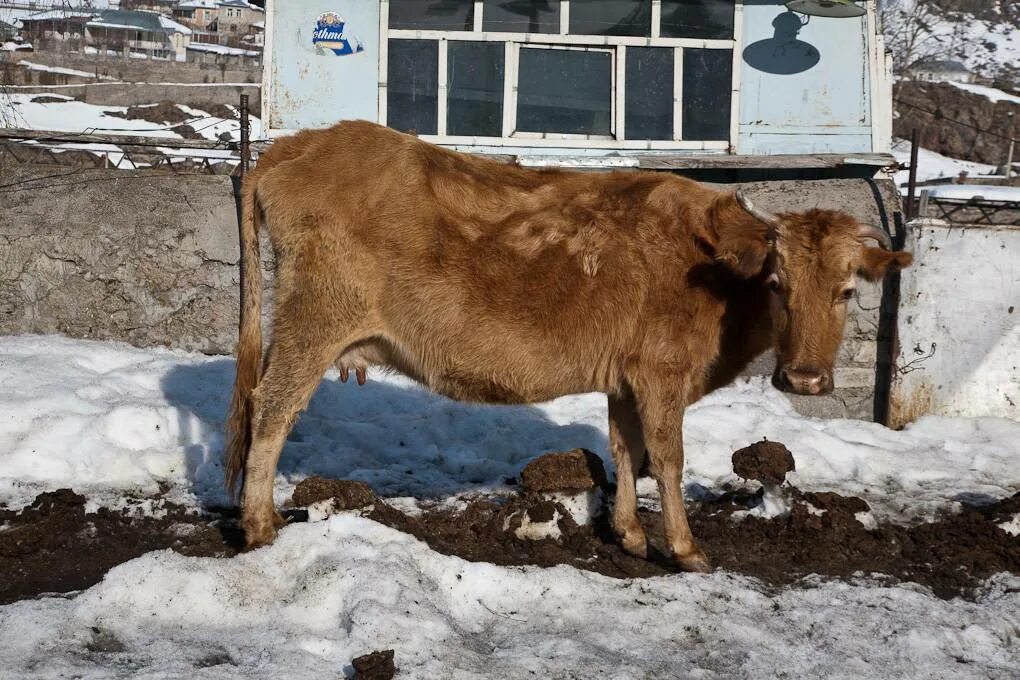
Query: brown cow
488,282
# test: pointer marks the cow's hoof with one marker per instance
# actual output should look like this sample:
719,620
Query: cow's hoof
634,544
261,534
694,561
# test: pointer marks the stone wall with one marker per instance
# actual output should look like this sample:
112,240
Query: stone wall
151,259
137,70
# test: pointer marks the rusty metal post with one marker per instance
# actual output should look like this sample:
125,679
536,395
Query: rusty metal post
245,135
911,212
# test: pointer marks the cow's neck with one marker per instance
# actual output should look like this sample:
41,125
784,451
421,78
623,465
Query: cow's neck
747,329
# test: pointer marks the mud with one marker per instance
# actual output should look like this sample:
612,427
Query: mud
55,546
374,666
763,461
577,470
163,113
346,494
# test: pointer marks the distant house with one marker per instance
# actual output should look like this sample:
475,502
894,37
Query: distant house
200,15
139,34
64,25
941,71
228,20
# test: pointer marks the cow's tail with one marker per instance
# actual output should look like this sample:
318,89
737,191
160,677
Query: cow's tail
249,341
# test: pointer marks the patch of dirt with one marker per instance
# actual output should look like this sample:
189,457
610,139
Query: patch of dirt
764,461
47,99
218,110
164,113
345,493
374,666
577,470
55,546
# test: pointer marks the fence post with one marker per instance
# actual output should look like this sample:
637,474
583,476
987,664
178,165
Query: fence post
912,183
245,135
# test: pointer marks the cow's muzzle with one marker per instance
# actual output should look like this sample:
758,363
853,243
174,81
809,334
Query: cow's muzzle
802,380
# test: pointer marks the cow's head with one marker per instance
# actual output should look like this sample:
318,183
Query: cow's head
809,261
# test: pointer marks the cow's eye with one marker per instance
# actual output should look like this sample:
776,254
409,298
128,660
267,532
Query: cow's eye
772,282
847,294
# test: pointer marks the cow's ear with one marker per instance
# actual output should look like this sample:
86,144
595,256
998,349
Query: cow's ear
875,262
739,239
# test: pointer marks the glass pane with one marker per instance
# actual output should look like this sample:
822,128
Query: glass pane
475,79
412,86
521,16
611,17
711,19
433,15
708,82
568,91
649,108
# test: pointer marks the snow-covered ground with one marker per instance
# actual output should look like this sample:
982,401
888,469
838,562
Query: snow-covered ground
932,165
113,421
71,115
992,93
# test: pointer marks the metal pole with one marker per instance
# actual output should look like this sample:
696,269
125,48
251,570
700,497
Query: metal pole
245,135
912,182
1012,143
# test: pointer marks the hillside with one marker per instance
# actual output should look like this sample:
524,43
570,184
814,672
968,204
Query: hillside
962,121
970,122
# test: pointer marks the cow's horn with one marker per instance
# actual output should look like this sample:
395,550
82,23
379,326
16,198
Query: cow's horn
879,235
759,213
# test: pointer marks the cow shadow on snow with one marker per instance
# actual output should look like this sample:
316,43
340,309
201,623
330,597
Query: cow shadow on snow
398,437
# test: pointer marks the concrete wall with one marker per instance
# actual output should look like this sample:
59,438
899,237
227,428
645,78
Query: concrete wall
959,323
145,70
151,258
145,258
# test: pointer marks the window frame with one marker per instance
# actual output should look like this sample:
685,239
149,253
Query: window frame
616,45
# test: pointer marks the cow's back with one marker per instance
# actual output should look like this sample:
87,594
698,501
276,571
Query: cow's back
491,282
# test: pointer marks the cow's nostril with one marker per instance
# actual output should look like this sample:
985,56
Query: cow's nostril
805,381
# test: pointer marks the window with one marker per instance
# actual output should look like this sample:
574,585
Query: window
475,81
565,91
633,74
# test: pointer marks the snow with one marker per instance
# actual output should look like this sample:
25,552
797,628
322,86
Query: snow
989,192
113,421
78,117
109,419
932,165
167,22
992,93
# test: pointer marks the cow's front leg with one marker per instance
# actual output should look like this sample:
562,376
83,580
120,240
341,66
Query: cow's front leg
661,404
628,449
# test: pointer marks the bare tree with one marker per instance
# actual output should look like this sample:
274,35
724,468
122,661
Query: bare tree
909,27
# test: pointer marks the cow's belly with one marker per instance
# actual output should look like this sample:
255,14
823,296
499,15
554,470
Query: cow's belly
461,370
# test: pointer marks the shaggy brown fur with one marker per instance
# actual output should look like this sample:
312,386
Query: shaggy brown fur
489,282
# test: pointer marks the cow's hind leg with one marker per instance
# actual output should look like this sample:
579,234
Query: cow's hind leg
627,446
293,371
